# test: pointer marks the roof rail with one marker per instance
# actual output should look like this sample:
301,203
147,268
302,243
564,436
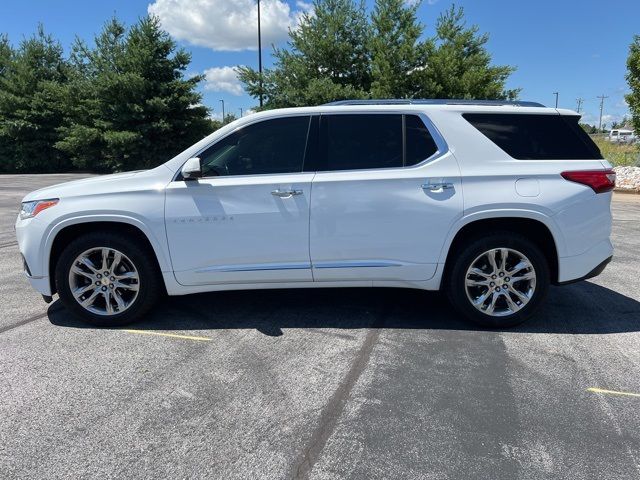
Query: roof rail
434,101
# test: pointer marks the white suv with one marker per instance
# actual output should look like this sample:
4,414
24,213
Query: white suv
489,201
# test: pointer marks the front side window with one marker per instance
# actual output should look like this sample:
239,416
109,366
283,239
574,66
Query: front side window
271,146
526,136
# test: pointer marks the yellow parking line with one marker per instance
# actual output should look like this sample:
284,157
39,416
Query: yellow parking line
612,392
172,335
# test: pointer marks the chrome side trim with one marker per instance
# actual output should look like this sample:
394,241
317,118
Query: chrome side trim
361,264
255,267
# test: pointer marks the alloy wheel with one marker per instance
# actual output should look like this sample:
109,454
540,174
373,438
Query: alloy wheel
104,281
500,282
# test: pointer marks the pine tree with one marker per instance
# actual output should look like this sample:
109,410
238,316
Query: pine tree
133,108
30,108
460,65
396,49
327,59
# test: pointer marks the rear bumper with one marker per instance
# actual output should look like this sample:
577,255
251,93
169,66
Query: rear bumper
593,273
586,265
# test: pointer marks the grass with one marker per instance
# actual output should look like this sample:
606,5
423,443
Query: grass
619,154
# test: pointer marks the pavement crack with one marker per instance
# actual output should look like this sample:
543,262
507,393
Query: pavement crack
334,408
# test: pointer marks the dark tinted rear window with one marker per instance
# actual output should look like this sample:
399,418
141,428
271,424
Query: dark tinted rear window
536,137
363,141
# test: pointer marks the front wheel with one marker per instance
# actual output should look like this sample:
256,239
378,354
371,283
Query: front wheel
107,279
498,280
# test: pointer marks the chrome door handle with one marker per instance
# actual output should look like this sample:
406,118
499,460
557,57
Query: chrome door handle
436,187
285,193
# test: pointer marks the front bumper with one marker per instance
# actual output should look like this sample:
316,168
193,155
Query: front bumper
29,234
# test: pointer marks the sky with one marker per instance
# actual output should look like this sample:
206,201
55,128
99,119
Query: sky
577,48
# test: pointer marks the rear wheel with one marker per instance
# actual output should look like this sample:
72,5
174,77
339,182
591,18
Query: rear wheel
498,280
106,279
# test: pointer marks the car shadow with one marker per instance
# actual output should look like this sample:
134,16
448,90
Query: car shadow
581,308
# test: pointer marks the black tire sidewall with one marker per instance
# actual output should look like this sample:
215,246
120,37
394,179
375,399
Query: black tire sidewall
455,279
149,282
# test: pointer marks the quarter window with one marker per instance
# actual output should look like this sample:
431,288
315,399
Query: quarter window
271,146
420,143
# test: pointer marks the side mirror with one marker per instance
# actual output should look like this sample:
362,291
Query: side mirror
191,169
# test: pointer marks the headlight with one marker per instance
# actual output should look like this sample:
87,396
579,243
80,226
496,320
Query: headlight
31,209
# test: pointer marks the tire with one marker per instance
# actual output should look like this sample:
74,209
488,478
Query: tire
136,279
460,282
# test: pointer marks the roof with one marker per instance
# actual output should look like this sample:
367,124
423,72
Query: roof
434,101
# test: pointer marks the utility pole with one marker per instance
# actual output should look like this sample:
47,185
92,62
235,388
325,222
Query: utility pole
579,100
240,112
260,53
601,97
556,94
222,101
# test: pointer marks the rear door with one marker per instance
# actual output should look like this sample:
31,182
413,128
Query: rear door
384,197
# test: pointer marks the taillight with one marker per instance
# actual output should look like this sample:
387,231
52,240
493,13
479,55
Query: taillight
599,180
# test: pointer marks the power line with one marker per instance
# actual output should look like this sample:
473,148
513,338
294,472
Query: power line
601,97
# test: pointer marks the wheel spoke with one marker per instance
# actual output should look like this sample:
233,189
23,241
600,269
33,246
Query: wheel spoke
477,283
525,276
504,253
491,255
478,302
126,276
117,257
480,273
492,305
88,263
119,300
105,260
521,265
511,304
87,302
78,271
127,286
107,301
521,296
78,292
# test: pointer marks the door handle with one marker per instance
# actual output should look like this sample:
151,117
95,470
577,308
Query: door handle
285,193
437,187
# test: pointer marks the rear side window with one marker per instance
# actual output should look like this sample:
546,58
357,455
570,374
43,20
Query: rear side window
370,141
362,141
536,137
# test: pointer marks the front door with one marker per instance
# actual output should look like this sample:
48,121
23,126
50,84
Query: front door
385,196
247,219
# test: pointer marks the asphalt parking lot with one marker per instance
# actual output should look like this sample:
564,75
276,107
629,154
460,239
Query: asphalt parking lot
322,384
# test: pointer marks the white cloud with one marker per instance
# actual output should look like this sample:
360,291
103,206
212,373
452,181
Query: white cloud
222,79
230,25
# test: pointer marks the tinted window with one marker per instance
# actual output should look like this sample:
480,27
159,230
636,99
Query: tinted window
536,137
272,146
354,142
420,144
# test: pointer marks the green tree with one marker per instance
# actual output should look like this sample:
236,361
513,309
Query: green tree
130,106
633,79
460,65
327,59
396,52
30,108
